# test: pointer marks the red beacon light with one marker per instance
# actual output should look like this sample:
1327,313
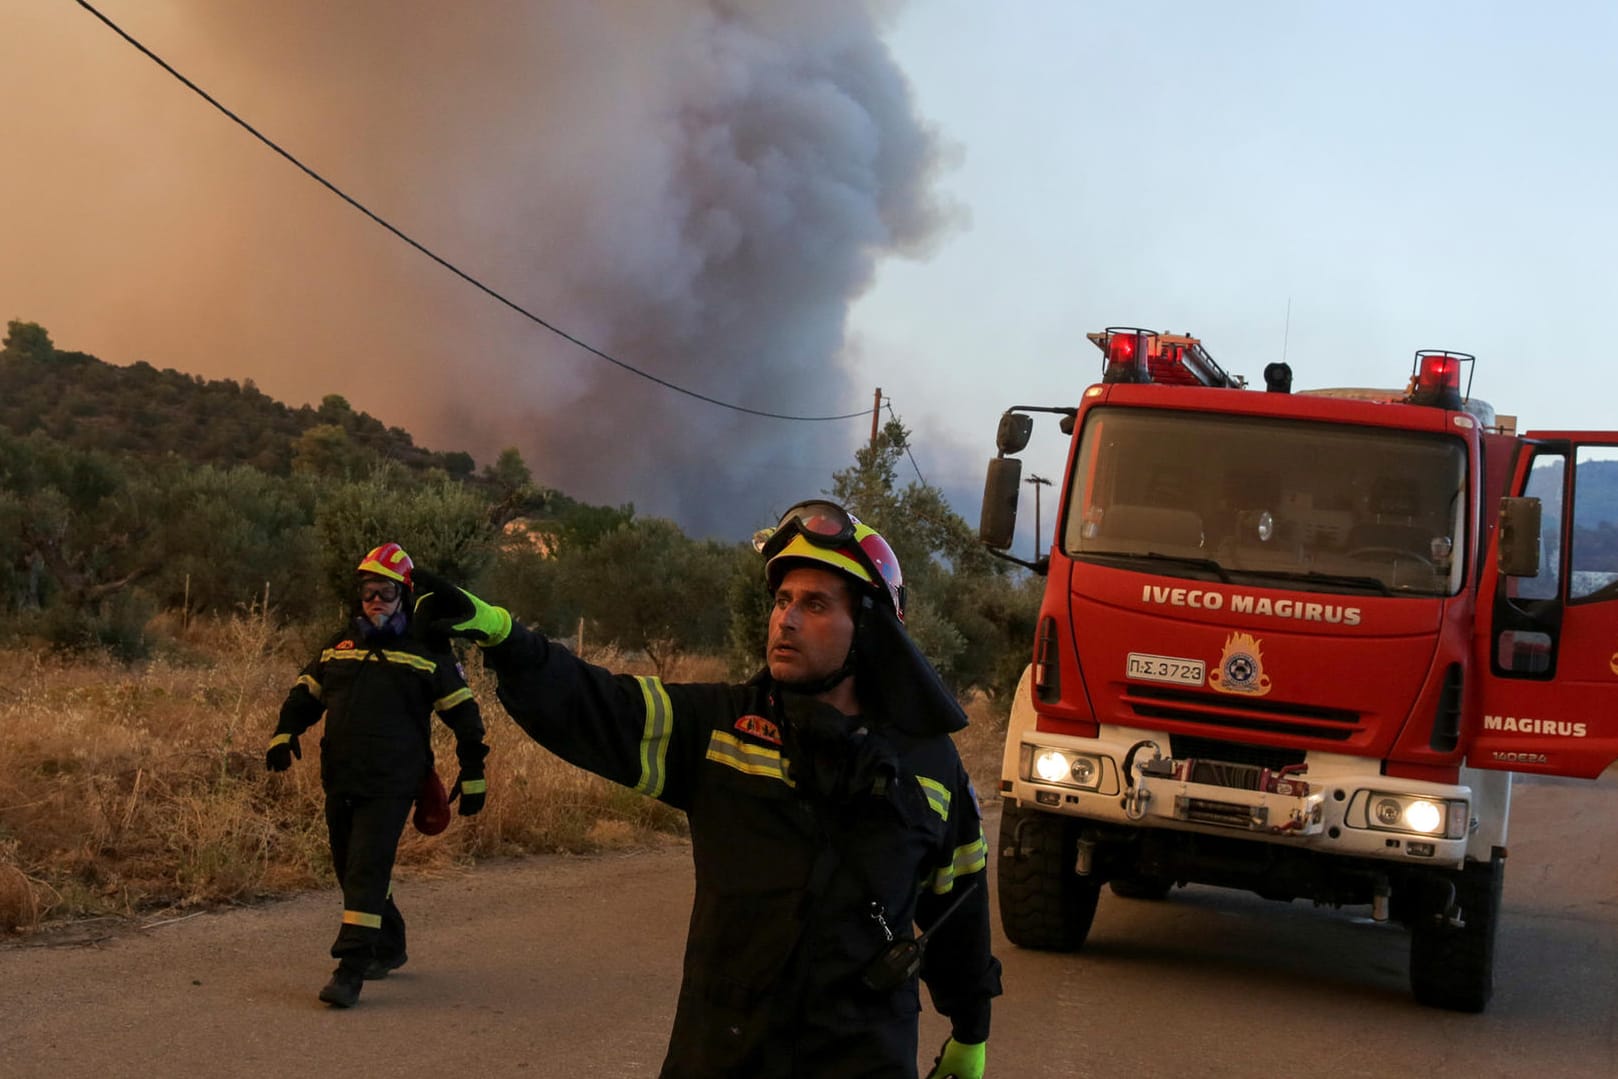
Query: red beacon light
1128,352
1436,379
1136,355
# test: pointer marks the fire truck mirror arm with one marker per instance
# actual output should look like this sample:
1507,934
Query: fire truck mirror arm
1015,429
1016,426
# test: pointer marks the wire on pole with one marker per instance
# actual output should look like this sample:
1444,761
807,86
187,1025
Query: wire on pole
434,256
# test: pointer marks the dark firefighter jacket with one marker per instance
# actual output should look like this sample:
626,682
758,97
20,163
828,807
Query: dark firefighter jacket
782,925
378,697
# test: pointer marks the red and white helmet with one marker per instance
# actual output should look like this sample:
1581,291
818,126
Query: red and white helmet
390,561
824,532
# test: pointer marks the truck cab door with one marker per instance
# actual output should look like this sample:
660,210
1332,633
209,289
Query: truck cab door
1547,646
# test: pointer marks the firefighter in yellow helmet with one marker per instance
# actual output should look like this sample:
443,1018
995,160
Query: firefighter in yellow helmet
378,686
838,849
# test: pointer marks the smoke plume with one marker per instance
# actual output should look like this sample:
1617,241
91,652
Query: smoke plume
699,188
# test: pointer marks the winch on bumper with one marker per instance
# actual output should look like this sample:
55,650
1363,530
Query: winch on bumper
1333,803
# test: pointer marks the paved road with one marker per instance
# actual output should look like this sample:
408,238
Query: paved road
568,966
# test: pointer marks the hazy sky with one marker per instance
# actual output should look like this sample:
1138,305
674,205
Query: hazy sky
706,188
1405,174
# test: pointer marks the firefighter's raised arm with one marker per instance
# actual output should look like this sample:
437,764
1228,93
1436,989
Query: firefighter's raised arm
445,609
622,727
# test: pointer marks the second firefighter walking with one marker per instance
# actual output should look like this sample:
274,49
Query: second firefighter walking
378,687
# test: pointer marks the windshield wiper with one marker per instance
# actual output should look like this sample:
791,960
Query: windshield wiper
1207,564
1374,584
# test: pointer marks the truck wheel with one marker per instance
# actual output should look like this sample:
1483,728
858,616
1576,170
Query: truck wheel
1044,904
1453,967
1141,887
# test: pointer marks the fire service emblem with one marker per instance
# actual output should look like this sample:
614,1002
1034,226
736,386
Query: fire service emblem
1241,668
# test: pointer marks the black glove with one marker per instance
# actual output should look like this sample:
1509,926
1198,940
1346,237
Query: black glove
443,609
471,788
283,747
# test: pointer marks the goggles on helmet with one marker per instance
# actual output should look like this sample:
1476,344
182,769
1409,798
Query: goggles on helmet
828,527
824,524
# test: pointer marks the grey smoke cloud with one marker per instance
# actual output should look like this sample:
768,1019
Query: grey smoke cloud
700,188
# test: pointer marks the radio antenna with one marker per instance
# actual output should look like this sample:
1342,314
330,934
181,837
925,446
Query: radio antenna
1286,332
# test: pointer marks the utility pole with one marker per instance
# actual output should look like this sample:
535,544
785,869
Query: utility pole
876,412
1037,482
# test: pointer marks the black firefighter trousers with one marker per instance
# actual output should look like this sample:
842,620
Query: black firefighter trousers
364,834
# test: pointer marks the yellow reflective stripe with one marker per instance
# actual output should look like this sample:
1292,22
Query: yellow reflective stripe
359,917
308,682
937,795
280,739
421,663
474,786
725,748
972,858
968,859
654,739
404,659
445,703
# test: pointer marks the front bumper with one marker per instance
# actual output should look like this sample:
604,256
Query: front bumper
1332,807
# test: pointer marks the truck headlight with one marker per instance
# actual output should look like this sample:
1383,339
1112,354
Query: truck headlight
1423,816
1061,767
1411,814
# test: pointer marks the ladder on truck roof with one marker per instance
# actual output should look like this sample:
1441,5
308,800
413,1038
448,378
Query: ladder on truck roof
1136,355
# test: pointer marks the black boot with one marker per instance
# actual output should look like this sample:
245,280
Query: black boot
343,991
379,967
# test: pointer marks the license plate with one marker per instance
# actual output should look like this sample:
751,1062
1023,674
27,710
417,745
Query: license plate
1182,672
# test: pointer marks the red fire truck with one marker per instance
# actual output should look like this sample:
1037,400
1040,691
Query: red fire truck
1296,643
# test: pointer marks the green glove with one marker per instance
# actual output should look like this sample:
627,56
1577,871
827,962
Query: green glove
283,747
471,788
957,1061
443,608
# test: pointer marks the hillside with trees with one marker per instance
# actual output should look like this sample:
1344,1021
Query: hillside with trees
131,492
148,414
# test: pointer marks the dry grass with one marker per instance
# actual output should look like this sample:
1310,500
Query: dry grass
132,790
980,746
128,790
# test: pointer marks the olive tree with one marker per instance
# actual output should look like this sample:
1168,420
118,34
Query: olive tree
649,587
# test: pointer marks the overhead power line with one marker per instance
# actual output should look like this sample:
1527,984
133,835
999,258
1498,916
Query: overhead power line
908,454
445,263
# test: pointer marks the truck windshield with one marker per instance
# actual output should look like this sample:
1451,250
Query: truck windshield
1293,504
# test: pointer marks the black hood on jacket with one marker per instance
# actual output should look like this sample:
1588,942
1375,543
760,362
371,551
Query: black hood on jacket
895,680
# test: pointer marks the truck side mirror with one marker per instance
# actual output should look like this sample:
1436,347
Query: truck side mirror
1012,437
998,522
1519,537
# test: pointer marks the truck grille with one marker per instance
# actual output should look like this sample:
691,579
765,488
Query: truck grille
1189,747
1228,713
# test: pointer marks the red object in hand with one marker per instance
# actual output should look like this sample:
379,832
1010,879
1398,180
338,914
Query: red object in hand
432,805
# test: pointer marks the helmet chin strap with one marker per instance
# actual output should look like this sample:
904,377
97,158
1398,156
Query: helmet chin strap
811,687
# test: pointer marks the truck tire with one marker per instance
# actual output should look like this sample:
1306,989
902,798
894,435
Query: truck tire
1044,904
1453,966
1146,887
